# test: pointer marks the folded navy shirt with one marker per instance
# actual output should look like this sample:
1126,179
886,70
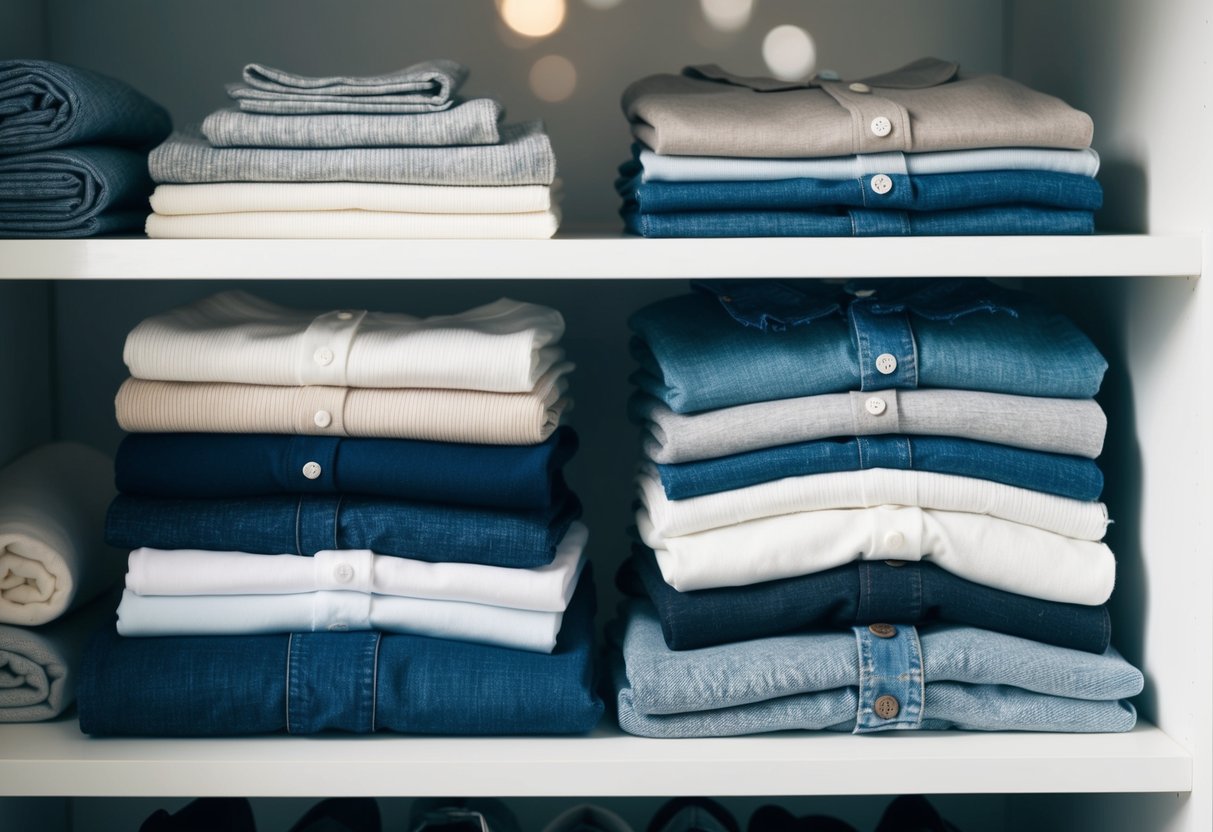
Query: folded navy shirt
248,465
1066,476
305,524
864,592
735,342
362,682
894,192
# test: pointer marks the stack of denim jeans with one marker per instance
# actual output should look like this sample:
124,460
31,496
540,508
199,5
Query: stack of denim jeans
405,581
919,151
400,155
867,507
73,151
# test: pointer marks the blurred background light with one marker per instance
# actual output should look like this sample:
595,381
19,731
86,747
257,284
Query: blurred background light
789,53
533,18
727,15
553,78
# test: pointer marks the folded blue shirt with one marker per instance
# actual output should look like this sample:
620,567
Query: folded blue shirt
867,679
248,465
865,592
1066,476
891,192
861,222
362,682
305,524
734,342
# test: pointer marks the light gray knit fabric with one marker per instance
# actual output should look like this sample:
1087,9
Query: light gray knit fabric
524,157
421,88
473,121
1064,426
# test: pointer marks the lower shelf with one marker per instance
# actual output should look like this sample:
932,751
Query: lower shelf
54,758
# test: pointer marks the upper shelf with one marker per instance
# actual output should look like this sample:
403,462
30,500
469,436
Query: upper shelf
56,759
605,256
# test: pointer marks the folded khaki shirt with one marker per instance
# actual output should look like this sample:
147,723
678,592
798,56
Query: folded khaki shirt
925,105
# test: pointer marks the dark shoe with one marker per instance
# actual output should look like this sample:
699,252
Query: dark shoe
478,814
693,814
912,813
771,818
341,814
206,814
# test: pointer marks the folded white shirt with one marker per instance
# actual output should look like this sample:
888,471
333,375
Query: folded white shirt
864,489
335,611
986,550
1083,162
241,197
194,572
504,346
353,225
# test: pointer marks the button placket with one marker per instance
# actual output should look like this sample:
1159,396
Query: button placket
325,347
886,349
865,422
891,685
878,124
320,412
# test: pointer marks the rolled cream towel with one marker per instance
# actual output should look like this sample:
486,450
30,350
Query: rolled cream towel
52,524
38,665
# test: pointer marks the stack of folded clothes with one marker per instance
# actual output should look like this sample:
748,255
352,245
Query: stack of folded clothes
866,508
54,574
398,155
73,151
372,500
918,151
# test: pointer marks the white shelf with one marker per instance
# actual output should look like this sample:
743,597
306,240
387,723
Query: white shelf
54,758
604,256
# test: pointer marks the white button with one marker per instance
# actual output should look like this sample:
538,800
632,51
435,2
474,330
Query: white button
311,470
875,405
881,126
343,572
323,356
864,293
344,316
886,363
323,418
894,540
881,184
338,627
859,86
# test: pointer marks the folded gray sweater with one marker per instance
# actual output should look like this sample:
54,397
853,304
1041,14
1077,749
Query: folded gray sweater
421,88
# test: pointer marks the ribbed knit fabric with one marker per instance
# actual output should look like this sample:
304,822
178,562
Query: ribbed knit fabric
865,489
524,157
438,415
236,197
355,225
422,87
504,346
468,122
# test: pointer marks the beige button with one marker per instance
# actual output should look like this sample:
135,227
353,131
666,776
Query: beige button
343,572
875,405
323,418
886,363
859,86
896,564
886,706
881,183
882,630
881,126
323,356
894,540
344,316
311,470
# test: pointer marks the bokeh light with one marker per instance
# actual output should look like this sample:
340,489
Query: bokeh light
789,53
553,78
533,18
727,15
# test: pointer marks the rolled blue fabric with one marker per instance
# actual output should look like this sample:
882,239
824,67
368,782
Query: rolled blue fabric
734,342
306,524
937,677
44,104
203,465
856,593
361,682
74,192
1066,476
893,192
861,222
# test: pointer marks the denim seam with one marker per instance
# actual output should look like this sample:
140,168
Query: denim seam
290,646
375,680
298,525
337,519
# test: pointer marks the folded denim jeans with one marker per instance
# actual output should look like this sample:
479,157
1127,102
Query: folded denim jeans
998,220
308,523
73,192
878,191
1070,427
362,682
735,342
247,465
856,594
424,87
44,105
870,679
